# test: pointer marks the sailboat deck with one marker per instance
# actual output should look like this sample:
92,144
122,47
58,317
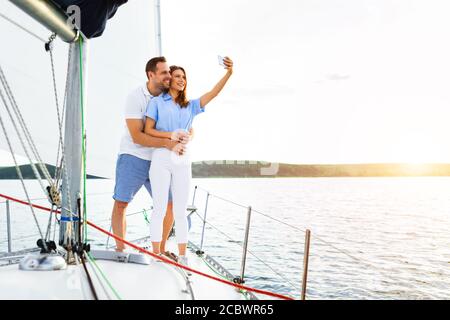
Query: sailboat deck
156,281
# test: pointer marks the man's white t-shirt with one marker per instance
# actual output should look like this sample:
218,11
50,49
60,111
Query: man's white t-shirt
135,107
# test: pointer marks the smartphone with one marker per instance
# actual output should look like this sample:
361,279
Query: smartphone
220,58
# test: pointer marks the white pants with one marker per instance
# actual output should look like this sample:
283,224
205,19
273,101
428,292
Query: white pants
168,170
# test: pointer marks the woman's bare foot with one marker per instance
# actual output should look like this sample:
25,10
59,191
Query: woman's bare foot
171,255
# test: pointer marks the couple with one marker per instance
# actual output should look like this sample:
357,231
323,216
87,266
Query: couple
153,152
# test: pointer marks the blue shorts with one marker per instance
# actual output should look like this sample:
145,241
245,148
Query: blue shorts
131,175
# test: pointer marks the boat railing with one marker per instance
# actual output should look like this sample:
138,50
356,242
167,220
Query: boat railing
248,211
199,248
194,211
9,240
331,247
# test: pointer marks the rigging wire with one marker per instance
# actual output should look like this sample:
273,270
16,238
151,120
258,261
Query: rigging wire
25,131
58,171
83,140
21,27
19,172
327,243
168,261
253,254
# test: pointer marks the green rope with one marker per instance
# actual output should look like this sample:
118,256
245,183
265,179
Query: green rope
83,140
91,258
144,212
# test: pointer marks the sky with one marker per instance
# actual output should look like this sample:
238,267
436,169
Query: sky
320,81
317,81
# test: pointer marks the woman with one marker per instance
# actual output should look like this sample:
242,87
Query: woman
170,116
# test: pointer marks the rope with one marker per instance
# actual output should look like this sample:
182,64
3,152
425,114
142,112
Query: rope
26,203
56,178
21,27
91,283
54,227
168,261
263,292
90,195
19,173
61,143
60,124
144,212
91,258
83,141
22,123
11,100
97,276
30,142
49,224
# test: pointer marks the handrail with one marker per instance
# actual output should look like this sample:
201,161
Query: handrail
253,210
251,252
168,261
241,279
89,195
203,219
361,261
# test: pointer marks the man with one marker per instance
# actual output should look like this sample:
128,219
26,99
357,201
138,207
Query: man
133,163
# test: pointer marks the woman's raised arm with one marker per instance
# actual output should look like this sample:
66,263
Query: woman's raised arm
207,97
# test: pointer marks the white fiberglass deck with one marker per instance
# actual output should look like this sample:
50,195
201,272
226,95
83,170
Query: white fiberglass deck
155,281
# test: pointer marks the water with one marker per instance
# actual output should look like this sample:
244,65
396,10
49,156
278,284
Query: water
372,238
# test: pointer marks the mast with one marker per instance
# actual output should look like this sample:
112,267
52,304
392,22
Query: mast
73,147
158,27
50,16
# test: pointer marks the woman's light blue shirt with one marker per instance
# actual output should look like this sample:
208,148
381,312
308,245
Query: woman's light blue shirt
170,116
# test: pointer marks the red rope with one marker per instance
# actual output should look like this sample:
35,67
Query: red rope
267,293
26,203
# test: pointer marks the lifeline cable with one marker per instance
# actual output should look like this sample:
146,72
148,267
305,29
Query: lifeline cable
242,287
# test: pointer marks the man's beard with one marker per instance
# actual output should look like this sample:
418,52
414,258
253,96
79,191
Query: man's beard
164,86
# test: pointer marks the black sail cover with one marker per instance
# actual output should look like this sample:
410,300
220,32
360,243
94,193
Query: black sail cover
94,14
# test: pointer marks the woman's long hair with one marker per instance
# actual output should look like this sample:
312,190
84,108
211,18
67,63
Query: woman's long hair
182,96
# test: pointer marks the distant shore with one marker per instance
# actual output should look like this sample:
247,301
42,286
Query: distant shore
265,170
10,173
260,169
